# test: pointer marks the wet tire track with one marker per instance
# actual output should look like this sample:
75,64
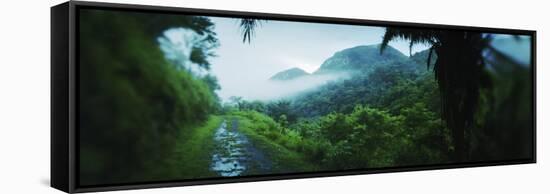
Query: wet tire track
235,154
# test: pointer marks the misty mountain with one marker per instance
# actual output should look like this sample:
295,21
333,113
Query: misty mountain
380,80
368,76
356,59
289,74
360,58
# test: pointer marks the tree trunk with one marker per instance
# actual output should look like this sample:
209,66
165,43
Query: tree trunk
457,70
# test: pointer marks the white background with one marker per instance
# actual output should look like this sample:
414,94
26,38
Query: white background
25,95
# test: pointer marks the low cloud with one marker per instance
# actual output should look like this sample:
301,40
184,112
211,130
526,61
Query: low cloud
272,90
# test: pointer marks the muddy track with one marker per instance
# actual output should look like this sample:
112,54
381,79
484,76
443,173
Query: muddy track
235,154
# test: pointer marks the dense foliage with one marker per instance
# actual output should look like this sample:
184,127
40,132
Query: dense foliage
147,115
136,103
388,117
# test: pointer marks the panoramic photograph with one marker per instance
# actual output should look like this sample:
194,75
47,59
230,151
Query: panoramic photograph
168,97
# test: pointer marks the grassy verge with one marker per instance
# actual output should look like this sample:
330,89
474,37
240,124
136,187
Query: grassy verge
284,160
192,154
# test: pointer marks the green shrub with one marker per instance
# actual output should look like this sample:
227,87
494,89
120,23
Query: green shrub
133,102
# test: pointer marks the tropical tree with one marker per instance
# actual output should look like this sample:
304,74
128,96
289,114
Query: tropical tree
459,71
237,101
279,108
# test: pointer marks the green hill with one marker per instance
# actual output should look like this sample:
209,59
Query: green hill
289,74
360,58
379,79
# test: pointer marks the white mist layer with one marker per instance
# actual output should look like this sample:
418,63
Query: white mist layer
274,89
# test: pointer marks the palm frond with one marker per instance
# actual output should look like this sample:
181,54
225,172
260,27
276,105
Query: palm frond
415,36
248,25
411,48
429,61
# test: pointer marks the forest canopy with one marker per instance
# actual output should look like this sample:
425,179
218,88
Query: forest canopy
176,97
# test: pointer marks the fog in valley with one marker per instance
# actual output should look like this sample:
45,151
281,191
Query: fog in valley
244,69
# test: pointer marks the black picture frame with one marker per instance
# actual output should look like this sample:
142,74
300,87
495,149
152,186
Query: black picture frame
64,98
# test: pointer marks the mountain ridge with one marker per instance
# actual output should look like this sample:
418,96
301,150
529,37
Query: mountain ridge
361,59
289,74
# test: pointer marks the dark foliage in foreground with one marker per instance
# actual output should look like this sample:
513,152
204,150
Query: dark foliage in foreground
136,104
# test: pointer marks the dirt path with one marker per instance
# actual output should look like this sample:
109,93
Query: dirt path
235,155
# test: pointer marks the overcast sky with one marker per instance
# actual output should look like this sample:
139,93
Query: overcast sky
280,45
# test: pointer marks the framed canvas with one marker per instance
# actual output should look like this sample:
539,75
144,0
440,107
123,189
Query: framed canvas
148,96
